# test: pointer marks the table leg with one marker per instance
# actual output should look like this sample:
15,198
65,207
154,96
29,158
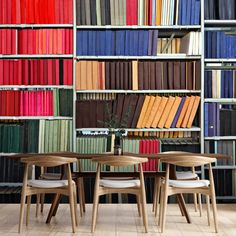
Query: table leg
54,207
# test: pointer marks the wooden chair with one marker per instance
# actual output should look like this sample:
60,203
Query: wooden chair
132,186
183,175
33,187
171,187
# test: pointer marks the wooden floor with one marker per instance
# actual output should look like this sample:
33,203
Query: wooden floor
117,219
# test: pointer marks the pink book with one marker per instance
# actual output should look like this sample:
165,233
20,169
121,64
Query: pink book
44,41
1,71
50,42
38,101
63,41
71,42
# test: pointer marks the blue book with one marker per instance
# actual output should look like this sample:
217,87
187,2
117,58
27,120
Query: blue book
97,38
206,120
79,43
188,12
213,44
120,38
131,43
231,84
173,125
127,43
217,125
108,49
218,44
184,12
135,42
211,119
180,12
154,43
222,83
84,43
145,43
122,41
90,43
192,9
140,42
197,12
93,44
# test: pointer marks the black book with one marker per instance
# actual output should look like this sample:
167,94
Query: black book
78,12
82,12
107,12
93,12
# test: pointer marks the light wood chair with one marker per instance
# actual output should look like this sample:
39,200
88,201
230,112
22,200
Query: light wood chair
170,187
33,187
183,175
132,186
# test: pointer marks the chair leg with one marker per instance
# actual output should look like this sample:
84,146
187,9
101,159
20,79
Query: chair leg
165,199
28,209
161,207
144,208
83,193
80,196
38,198
72,209
208,208
158,188
75,205
42,201
95,209
195,201
139,205
213,200
22,208
200,204
154,195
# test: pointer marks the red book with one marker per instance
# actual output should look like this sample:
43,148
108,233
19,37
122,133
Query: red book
64,44
67,42
11,73
36,72
9,11
15,71
70,72
23,11
3,103
34,41
128,10
1,12
66,11
13,12
25,72
9,102
51,7
57,12
45,72
24,42
0,42
44,37
31,72
14,41
131,12
70,12
57,70
25,102
40,11
45,12
19,72
18,11
50,42
31,12
1,71
21,103
8,41
71,42
61,12
50,78
36,11
65,72
4,41
17,103
30,41
4,11
150,12
6,72
41,72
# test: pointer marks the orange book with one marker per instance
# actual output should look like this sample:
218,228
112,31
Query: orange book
143,111
173,112
153,111
161,134
166,112
183,111
83,75
59,41
176,134
159,111
193,111
103,76
148,112
158,12
187,114
95,75
55,36
78,78
135,75
89,79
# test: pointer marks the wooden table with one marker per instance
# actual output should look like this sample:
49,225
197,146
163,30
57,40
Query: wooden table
180,199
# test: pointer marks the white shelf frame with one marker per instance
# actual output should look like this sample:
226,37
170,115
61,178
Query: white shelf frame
221,100
216,138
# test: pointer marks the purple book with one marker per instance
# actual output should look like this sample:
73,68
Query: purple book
173,125
211,119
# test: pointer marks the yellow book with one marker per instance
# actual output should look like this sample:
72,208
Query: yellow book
193,111
181,134
188,112
173,112
166,112
155,106
135,75
183,111
158,12
159,111
161,134
166,134
148,112
143,111
83,75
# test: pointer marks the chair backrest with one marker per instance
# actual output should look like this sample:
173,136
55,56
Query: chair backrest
119,160
47,161
188,160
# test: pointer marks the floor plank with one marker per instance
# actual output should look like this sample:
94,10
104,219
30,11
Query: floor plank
118,220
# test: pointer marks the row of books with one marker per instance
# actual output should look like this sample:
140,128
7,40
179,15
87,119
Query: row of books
220,45
220,84
137,12
36,41
138,111
36,72
36,136
134,75
36,102
219,121
227,147
36,12
220,9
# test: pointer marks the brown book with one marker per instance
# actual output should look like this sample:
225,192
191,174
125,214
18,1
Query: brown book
130,75
148,112
198,75
194,75
135,75
143,111
158,75
78,78
113,75
159,111
120,102
107,75
183,111
177,83
165,74
189,73
103,75
153,111
170,75
122,75
125,112
188,112
131,108
193,111
126,75
117,81
89,69
152,75
173,112
146,75
183,75
140,75
138,109
83,75
166,112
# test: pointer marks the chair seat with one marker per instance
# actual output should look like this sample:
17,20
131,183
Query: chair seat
189,183
186,175
38,183
50,176
111,183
